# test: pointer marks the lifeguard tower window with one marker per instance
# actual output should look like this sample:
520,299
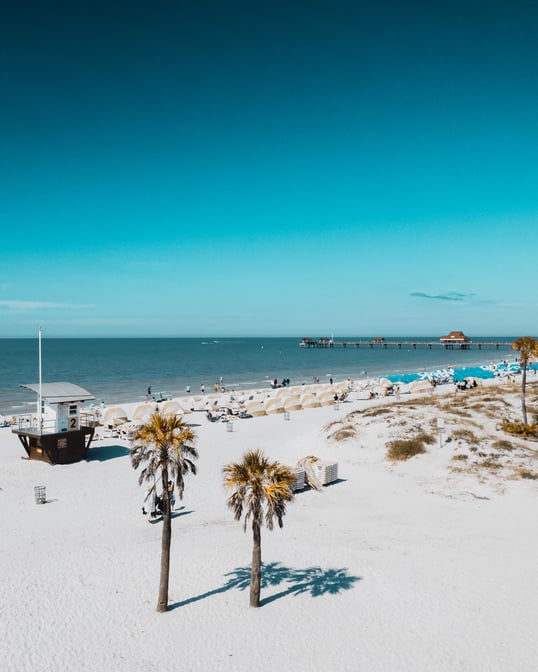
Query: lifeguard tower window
73,409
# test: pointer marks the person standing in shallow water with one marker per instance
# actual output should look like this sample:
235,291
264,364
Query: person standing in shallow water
202,388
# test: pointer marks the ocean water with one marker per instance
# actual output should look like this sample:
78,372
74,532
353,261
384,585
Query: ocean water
119,370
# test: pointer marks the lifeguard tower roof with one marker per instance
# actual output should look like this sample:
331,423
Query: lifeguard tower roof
60,393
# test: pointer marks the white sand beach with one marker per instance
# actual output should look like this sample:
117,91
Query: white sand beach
427,564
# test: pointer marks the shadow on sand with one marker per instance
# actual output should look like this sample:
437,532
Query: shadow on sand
312,580
175,514
104,453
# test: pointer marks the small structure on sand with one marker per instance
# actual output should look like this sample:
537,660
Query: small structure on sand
455,338
55,434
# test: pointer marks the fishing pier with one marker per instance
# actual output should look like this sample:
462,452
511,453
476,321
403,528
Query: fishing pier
381,343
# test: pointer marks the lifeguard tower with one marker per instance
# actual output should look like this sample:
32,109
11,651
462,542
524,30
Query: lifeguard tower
55,434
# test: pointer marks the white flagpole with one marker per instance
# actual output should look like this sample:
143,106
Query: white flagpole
39,411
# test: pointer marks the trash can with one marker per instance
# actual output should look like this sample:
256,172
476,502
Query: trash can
286,415
40,492
229,426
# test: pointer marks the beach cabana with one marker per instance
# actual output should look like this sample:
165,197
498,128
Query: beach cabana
420,386
56,434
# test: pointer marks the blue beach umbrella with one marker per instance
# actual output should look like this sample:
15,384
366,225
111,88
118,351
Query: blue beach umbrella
403,377
472,372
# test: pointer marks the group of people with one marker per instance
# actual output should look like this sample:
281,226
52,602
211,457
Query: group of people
340,396
465,384
275,384
154,504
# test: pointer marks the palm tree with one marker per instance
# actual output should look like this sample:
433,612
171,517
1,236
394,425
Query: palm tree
164,446
261,489
528,352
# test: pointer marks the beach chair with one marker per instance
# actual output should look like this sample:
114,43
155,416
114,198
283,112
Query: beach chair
326,472
299,483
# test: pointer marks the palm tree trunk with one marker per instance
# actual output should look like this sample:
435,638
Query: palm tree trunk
256,569
523,384
166,540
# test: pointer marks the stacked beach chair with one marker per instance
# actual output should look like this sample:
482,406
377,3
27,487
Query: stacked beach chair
326,472
299,483
317,473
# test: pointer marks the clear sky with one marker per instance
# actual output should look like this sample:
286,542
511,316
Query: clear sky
201,167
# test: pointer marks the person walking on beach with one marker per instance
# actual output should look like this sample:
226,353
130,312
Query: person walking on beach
202,388
148,508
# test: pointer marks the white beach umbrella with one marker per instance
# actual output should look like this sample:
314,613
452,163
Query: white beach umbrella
363,394
257,411
292,404
205,404
326,399
114,415
274,406
420,386
143,412
170,407
310,401
188,402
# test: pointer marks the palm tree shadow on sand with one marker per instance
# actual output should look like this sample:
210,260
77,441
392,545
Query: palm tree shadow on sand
315,581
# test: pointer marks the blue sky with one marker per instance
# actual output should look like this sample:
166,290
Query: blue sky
284,168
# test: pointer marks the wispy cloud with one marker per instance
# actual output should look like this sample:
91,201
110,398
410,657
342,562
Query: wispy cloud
448,296
22,306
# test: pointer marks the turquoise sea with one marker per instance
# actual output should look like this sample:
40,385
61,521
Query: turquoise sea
121,369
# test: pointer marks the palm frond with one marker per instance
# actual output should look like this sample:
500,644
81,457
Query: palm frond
260,489
164,442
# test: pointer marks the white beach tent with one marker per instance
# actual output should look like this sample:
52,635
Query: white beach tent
113,416
421,386
327,398
310,401
292,404
254,403
143,412
171,407
274,406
